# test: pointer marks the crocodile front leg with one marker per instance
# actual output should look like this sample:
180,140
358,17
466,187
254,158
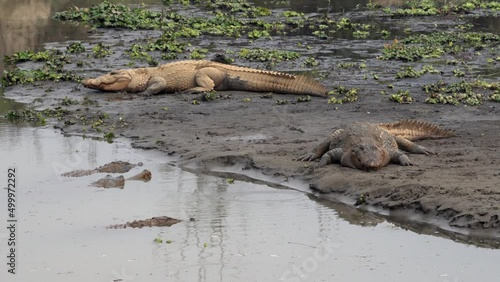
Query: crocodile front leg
333,156
317,152
155,85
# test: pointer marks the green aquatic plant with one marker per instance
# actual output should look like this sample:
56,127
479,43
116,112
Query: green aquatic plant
107,14
34,116
198,54
402,97
343,95
302,99
433,7
360,34
463,92
271,55
75,47
18,76
409,72
66,101
310,62
434,45
100,50
495,97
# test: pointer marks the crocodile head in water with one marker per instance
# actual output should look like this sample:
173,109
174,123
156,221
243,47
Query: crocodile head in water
367,156
117,80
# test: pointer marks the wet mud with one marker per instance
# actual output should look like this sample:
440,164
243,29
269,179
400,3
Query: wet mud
456,189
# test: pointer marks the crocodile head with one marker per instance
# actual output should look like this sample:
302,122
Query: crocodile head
117,80
366,156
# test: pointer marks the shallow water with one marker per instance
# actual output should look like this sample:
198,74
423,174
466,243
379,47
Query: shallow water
240,232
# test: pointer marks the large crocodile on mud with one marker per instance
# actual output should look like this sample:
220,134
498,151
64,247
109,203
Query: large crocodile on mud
370,146
203,76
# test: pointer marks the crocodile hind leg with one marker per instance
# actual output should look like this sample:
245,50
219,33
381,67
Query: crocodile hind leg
207,79
411,147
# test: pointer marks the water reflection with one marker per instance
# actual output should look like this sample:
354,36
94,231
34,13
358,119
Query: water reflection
27,24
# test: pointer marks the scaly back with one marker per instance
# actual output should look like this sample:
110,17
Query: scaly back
276,82
415,130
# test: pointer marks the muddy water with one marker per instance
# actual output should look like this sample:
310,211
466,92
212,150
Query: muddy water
238,232
28,24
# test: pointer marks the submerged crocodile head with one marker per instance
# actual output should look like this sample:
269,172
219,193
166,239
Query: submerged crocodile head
117,80
367,156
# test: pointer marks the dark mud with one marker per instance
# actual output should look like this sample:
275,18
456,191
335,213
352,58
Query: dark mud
457,189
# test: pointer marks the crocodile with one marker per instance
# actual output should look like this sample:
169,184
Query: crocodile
112,167
119,182
144,175
110,182
371,146
197,76
159,221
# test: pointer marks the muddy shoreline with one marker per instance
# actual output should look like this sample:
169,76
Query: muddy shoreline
458,186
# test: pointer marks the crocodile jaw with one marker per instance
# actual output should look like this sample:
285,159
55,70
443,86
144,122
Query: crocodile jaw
369,157
113,81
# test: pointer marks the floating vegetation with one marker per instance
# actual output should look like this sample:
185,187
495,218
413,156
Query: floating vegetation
348,65
107,14
198,54
343,95
409,72
310,62
101,50
302,99
75,47
66,101
34,116
434,45
53,69
463,92
432,7
402,97
271,55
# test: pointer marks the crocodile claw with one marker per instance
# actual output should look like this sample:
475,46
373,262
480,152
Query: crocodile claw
309,157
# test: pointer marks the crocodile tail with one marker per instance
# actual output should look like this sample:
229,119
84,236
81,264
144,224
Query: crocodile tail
264,81
248,79
306,85
416,130
79,173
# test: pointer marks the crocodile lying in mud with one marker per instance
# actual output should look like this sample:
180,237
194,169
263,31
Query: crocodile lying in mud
203,76
119,182
112,167
370,146
159,221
